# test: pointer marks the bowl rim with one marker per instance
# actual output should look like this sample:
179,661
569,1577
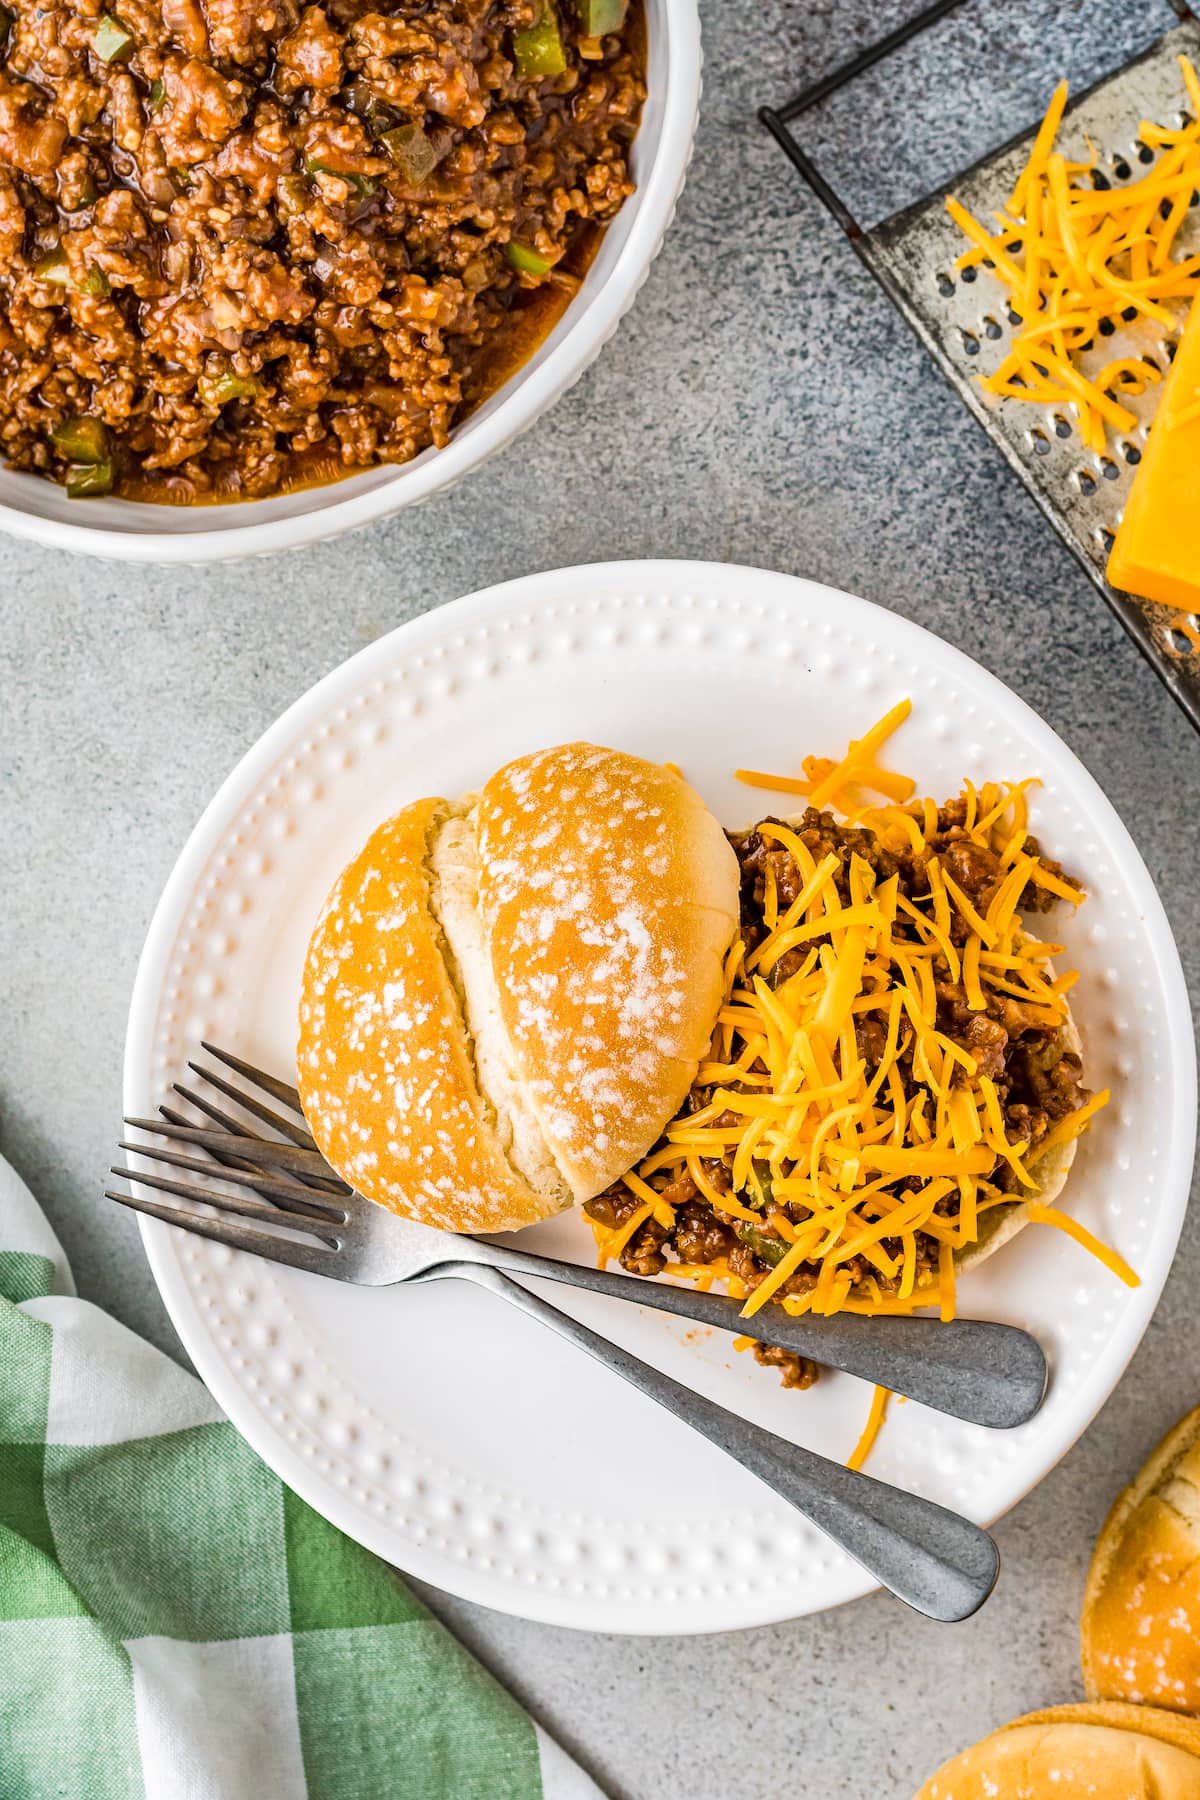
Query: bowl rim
533,389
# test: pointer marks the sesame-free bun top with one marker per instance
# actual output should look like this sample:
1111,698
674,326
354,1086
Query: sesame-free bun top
506,998
1089,1752
1140,1630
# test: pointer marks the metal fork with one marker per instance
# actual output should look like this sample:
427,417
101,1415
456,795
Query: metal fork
942,1565
974,1369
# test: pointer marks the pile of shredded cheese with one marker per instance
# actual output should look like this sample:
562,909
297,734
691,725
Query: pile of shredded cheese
867,1162
812,1128
1075,254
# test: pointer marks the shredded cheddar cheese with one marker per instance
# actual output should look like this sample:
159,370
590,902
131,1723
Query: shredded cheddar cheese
871,1430
865,1182
1075,253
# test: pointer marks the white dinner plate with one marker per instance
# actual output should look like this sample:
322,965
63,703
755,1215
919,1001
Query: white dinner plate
457,1438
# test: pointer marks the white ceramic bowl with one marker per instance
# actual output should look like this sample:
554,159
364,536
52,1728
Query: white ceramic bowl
31,507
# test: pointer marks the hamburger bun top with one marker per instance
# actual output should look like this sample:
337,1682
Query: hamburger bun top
1078,1753
506,998
1140,1629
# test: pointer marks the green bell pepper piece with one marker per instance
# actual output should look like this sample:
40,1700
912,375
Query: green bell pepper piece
526,260
56,270
768,1249
413,151
598,17
112,39
87,480
82,439
362,184
538,48
218,390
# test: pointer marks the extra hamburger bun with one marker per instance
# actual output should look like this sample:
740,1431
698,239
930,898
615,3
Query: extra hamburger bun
506,998
1093,1752
1141,1608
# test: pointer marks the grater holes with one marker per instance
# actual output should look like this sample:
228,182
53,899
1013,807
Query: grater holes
1132,454
1106,537
1109,469
1178,641
1144,153
945,285
1121,168
1062,425
1107,328
1014,317
970,343
1100,181
970,274
1039,443
1086,482
992,327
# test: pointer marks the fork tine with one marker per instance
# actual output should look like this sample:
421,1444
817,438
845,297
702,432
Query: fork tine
298,1198
234,1203
270,1084
299,1134
211,1110
254,1149
318,1259
327,1182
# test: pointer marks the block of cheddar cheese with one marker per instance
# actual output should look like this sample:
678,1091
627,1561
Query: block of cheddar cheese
1156,553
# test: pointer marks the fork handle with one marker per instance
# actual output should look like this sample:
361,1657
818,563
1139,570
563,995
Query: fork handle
939,1563
974,1369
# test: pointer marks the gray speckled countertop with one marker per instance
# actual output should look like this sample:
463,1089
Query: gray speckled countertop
762,404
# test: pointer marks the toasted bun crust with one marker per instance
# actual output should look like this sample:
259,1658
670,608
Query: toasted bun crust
384,1065
1078,1753
505,1001
609,897
1140,1629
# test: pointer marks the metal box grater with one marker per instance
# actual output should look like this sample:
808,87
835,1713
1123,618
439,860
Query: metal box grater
963,320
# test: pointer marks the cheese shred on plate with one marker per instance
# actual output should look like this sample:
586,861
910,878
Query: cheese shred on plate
1078,253
854,1179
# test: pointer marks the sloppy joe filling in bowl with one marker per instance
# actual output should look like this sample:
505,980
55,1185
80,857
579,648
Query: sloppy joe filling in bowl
271,272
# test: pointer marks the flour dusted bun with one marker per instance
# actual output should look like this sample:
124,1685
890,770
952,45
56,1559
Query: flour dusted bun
1092,1752
506,998
1141,1609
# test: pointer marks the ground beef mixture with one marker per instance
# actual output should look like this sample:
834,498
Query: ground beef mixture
247,244
1038,1077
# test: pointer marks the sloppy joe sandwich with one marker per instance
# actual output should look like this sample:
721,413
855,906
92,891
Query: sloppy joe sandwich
1141,1609
895,1084
826,1061
507,997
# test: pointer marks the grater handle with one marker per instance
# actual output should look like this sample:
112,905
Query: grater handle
777,122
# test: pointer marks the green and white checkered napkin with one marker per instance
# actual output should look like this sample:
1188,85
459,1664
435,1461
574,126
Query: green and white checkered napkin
175,1624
